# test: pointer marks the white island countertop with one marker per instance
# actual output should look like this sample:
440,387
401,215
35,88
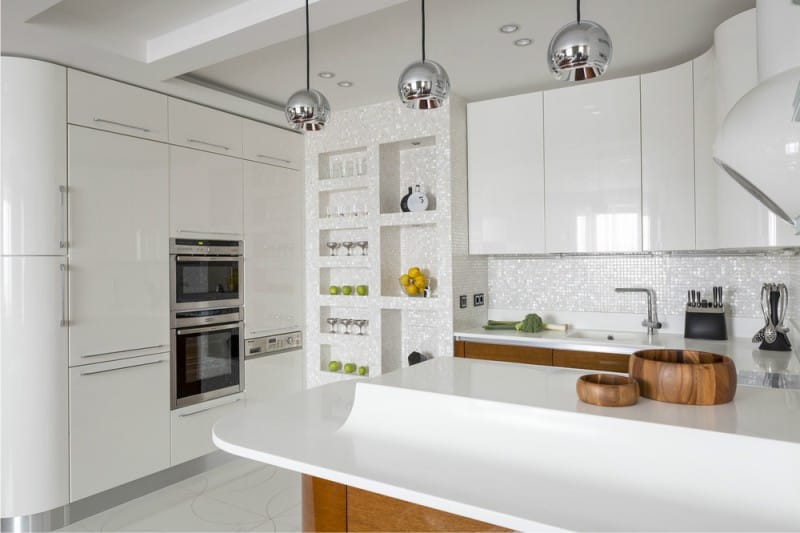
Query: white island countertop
512,445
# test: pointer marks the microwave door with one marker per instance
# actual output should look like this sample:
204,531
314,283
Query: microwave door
206,282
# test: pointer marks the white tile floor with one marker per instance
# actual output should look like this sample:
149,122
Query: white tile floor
240,495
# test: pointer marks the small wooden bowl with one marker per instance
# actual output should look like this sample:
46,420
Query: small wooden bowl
684,376
607,390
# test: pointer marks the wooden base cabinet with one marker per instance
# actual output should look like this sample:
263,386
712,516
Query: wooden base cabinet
608,362
329,506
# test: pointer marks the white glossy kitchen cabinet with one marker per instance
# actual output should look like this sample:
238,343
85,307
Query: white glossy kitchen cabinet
273,237
34,452
506,175
205,193
593,167
109,105
191,427
33,179
119,255
203,128
119,422
668,159
269,144
705,170
273,376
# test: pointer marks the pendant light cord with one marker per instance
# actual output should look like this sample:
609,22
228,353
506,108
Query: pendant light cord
579,11
423,31
308,53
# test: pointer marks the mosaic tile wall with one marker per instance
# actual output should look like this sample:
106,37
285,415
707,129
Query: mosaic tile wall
794,293
586,284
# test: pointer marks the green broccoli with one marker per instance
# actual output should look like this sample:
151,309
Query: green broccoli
532,323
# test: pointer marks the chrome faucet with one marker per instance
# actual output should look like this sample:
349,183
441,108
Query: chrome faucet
651,323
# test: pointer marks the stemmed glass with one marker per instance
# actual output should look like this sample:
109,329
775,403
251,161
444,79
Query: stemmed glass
346,323
360,323
332,323
333,246
363,245
349,245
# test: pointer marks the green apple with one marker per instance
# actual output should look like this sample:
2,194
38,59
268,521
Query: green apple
347,290
349,368
334,366
333,289
362,371
362,290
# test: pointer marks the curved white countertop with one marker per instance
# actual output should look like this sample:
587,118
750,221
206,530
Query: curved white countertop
759,368
512,445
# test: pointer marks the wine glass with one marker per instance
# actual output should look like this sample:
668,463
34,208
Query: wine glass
333,246
346,323
363,245
349,245
359,323
332,323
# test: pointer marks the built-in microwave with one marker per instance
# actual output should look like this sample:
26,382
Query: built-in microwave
205,274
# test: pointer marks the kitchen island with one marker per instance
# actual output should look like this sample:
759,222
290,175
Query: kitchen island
511,445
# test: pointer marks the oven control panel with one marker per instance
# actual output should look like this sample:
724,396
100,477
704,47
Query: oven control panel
273,343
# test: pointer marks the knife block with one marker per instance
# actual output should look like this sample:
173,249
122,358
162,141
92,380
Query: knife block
705,323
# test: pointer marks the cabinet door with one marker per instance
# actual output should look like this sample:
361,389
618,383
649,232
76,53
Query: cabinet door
33,178
110,105
204,128
508,353
119,259
609,362
191,427
273,236
668,159
119,422
593,167
34,465
272,145
506,175
273,375
205,194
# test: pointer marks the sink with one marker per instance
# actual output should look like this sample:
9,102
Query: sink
606,336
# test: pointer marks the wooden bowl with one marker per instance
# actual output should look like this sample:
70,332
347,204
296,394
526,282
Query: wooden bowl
607,390
684,376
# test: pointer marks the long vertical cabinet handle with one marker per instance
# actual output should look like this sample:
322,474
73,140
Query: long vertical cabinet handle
63,242
64,322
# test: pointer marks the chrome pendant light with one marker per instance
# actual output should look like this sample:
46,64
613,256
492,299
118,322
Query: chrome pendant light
308,109
580,50
424,84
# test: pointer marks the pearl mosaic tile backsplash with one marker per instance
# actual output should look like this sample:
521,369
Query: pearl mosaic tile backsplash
586,284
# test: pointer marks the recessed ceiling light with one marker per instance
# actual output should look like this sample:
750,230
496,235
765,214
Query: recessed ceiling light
508,28
326,75
523,42
345,83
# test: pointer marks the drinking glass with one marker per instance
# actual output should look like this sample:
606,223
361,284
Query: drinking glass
349,245
333,246
346,323
361,166
360,323
332,323
363,245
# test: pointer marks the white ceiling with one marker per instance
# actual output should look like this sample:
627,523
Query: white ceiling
256,47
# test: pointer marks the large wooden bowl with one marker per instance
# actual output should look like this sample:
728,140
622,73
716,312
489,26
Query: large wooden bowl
607,390
684,376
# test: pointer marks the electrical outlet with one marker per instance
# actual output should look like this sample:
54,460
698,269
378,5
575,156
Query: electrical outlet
477,299
462,301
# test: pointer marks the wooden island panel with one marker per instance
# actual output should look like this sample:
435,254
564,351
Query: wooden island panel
508,353
608,362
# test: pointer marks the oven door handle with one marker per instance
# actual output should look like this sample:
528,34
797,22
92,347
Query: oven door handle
207,259
189,331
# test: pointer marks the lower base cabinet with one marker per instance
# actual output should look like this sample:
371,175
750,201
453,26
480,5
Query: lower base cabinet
329,506
191,427
608,362
119,422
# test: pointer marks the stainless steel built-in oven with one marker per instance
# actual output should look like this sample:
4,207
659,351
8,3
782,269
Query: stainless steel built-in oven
205,274
207,355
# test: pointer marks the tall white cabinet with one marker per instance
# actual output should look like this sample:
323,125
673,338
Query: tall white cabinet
592,155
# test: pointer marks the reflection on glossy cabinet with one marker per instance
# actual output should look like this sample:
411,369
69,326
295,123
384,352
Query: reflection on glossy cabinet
506,175
203,128
593,167
272,145
205,194
272,376
33,179
191,427
668,159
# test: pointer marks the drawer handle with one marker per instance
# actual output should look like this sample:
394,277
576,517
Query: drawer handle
121,368
204,232
287,161
198,141
208,408
122,125
64,321
62,189
158,347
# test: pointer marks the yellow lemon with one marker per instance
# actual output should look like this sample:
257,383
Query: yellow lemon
420,282
414,272
405,280
411,290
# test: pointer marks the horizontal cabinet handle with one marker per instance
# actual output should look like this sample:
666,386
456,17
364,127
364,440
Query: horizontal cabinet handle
234,325
287,161
198,141
122,125
146,348
121,368
204,232
208,408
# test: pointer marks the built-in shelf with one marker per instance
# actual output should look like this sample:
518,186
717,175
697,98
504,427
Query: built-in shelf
346,222
340,300
354,261
410,302
344,184
422,218
341,338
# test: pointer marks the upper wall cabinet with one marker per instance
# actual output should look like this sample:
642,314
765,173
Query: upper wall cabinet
33,180
593,167
668,159
109,105
506,175
272,145
204,128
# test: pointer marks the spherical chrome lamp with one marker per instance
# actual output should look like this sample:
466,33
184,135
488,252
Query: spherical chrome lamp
424,84
580,50
308,109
